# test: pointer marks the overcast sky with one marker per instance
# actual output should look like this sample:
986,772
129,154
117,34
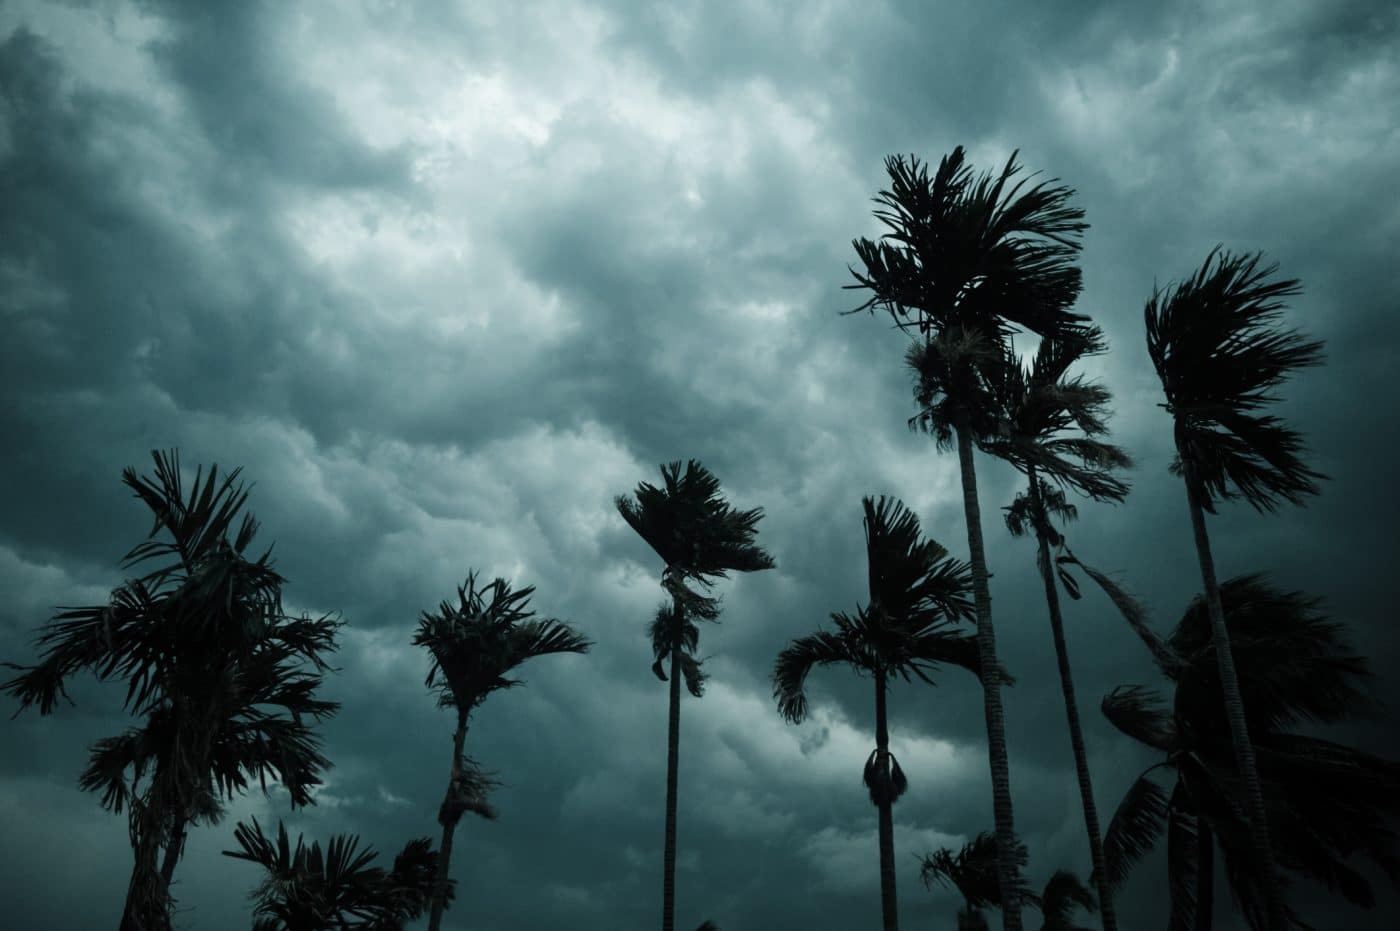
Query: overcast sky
444,279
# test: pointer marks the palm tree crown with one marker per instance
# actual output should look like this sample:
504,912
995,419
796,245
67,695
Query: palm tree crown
972,253
308,889
1052,425
486,634
1218,352
908,627
1326,803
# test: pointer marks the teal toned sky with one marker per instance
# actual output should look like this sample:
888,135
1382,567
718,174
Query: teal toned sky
445,278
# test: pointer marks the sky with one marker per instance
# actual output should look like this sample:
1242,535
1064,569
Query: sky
444,279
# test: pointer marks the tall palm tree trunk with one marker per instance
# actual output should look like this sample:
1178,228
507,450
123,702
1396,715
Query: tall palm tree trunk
1205,877
1234,711
673,748
144,909
888,903
449,827
1076,733
991,691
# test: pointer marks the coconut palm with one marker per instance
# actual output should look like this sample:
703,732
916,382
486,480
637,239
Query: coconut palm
475,643
224,679
1219,352
964,262
700,539
973,872
1052,428
307,889
1327,803
909,627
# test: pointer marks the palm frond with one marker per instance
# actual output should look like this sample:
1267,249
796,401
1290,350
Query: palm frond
1141,714
794,664
1135,828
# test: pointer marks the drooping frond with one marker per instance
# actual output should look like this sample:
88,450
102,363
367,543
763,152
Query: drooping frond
1142,715
1135,828
1217,348
800,658
1183,860
1133,612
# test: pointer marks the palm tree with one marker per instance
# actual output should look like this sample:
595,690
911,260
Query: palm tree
973,871
1063,894
1218,351
1042,411
963,262
1327,803
700,538
917,596
213,664
306,889
474,644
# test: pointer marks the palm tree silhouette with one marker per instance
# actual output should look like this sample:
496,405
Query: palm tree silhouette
1052,427
475,643
963,262
917,596
306,889
973,871
212,663
1218,351
700,539
1326,802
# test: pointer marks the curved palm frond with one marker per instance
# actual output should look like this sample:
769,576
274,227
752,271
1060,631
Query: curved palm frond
800,658
1141,714
1135,828
911,578
1219,353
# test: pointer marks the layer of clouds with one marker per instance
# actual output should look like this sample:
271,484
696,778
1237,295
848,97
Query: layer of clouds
446,279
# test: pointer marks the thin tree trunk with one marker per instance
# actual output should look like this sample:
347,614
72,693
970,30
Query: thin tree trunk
449,827
1205,877
991,692
673,747
173,852
888,903
1076,733
1234,711
143,910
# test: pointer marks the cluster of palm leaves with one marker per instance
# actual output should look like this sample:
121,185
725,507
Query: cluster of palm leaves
306,889
224,681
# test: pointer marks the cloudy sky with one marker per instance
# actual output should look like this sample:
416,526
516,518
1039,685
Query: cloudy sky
445,278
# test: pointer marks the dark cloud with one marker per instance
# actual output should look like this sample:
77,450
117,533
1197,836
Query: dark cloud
445,282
